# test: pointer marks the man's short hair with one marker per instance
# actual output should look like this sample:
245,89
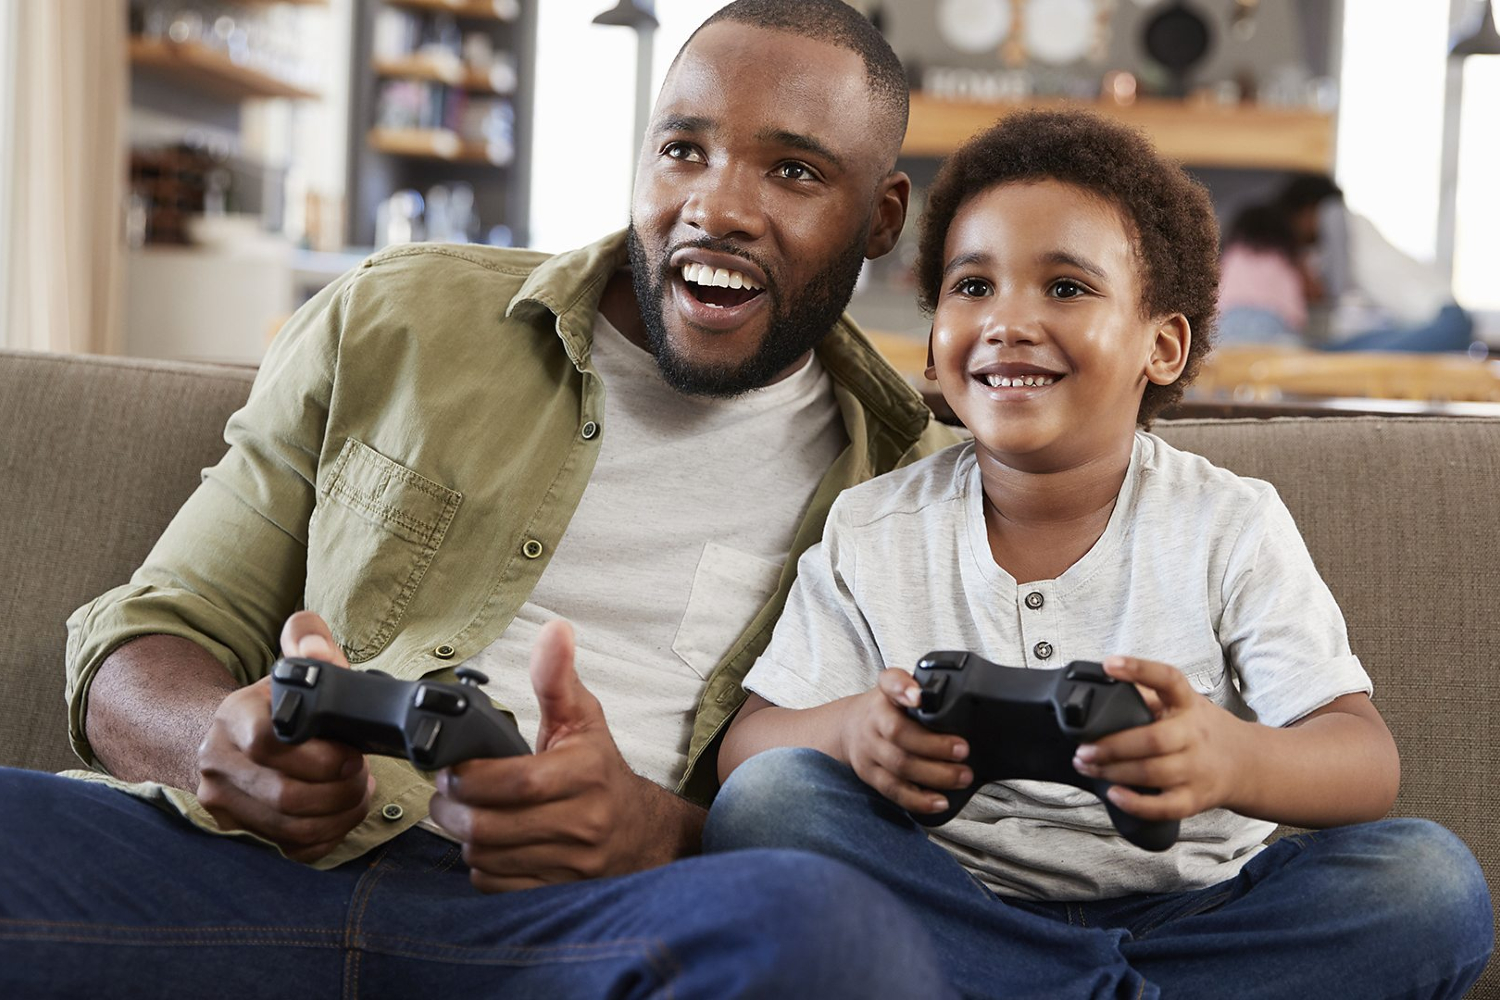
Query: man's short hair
839,24
1168,215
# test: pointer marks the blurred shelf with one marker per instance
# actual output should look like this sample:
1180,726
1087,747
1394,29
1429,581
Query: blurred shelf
1196,134
194,65
488,10
451,72
295,3
435,144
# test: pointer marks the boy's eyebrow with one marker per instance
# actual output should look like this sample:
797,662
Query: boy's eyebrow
797,140
964,260
1072,260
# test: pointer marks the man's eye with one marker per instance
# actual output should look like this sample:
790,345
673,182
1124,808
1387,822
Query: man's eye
1063,288
680,151
972,287
795,172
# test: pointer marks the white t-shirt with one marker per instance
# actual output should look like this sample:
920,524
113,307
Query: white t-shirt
680,538
1198,568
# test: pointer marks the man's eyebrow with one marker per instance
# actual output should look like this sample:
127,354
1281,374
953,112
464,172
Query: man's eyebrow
797,140
684,123
1073,260
964,260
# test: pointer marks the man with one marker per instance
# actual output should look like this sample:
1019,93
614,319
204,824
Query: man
446,452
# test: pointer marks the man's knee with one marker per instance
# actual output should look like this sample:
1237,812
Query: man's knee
830,931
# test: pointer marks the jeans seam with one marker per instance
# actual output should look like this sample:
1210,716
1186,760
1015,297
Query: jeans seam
1203,906
352,934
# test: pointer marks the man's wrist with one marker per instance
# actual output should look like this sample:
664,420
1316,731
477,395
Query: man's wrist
672,827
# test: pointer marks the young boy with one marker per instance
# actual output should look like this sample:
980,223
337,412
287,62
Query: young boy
1071,274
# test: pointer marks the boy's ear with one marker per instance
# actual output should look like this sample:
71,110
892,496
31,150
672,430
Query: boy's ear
931,373
1169,351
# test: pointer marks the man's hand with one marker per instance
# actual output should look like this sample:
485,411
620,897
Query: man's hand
304,797
574,810
895,754
1193,752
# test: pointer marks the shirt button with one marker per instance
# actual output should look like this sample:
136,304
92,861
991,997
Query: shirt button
1034,600
444,652
392,812
589,430
532,549
1043,650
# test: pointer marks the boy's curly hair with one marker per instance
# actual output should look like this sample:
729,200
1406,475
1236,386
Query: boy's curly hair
1168,213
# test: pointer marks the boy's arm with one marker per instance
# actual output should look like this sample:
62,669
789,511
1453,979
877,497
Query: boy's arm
1336,765
761,725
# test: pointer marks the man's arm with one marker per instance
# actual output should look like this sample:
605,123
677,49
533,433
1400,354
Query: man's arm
149,707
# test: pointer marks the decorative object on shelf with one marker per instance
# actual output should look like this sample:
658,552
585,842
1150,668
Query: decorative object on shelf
1480,40
1178,38
1059,32
974,25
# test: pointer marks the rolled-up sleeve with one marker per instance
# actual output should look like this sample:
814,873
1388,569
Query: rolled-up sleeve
231,565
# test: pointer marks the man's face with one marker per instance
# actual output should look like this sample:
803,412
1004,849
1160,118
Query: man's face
758,182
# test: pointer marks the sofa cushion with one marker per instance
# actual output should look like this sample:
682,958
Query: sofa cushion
96,455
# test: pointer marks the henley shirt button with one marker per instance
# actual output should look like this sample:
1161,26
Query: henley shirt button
1043,650
532,549
392,812
589,430
444,652
1034,600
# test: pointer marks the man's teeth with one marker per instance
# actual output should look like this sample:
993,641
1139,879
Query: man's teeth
702,274
1000,381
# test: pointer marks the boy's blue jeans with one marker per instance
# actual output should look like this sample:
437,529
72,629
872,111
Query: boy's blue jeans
102,895
1397,908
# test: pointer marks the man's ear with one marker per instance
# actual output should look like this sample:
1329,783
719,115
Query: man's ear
1169,350
931,373
890,214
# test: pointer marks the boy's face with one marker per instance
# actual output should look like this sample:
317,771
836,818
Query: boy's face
1041,282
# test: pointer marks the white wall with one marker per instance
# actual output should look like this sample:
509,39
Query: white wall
8,10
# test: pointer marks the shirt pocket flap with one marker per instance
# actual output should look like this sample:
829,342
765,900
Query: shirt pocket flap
729,589
406,504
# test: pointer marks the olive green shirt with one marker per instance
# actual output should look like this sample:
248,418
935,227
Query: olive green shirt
413,448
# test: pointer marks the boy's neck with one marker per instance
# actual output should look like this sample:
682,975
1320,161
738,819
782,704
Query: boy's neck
1041,523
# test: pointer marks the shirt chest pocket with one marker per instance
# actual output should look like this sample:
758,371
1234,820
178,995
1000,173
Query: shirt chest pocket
729,589
374,532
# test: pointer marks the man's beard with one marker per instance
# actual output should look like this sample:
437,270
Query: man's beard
800,319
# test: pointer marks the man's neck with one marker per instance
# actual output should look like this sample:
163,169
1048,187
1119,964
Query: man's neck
619,306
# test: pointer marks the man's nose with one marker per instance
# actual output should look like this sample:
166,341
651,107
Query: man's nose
726,204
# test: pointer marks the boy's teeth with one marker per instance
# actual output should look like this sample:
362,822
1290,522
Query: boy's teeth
1019,381
702,274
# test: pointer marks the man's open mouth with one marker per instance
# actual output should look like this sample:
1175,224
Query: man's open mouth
717,286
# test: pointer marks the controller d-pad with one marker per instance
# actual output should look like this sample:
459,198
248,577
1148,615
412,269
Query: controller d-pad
424,740
1076,705
434,699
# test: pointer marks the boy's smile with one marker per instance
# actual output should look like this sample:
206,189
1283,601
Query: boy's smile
1039,342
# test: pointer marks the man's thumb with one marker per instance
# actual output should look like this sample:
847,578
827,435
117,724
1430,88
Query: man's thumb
565,703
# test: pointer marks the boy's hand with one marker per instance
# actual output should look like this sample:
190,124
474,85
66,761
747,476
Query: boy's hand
895,754
1191,752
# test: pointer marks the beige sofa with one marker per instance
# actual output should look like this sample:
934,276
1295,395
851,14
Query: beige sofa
1401,516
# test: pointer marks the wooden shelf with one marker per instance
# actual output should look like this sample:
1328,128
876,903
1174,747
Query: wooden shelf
195,65
488,10
452,72
1199,135
434,144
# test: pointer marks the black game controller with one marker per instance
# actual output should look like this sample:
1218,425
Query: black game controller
432,724
1025,724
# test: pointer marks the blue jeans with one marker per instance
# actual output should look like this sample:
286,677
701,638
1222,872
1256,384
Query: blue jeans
1397,908
102,895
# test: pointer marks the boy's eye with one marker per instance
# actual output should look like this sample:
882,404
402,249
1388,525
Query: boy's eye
972,287
1066,288
681,151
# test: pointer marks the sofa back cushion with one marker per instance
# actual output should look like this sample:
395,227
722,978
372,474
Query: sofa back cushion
96,455
1402,518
